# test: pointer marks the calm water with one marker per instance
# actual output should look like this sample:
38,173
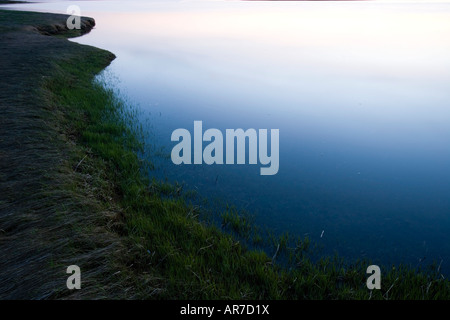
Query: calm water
359,92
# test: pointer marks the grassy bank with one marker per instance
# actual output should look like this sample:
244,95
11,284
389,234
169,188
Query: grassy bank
134,238
50,215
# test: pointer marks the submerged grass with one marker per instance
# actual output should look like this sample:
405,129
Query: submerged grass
169,252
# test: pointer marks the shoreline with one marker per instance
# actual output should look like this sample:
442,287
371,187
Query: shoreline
75,195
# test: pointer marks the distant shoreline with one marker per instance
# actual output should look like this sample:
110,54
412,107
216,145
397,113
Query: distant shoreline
13,2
